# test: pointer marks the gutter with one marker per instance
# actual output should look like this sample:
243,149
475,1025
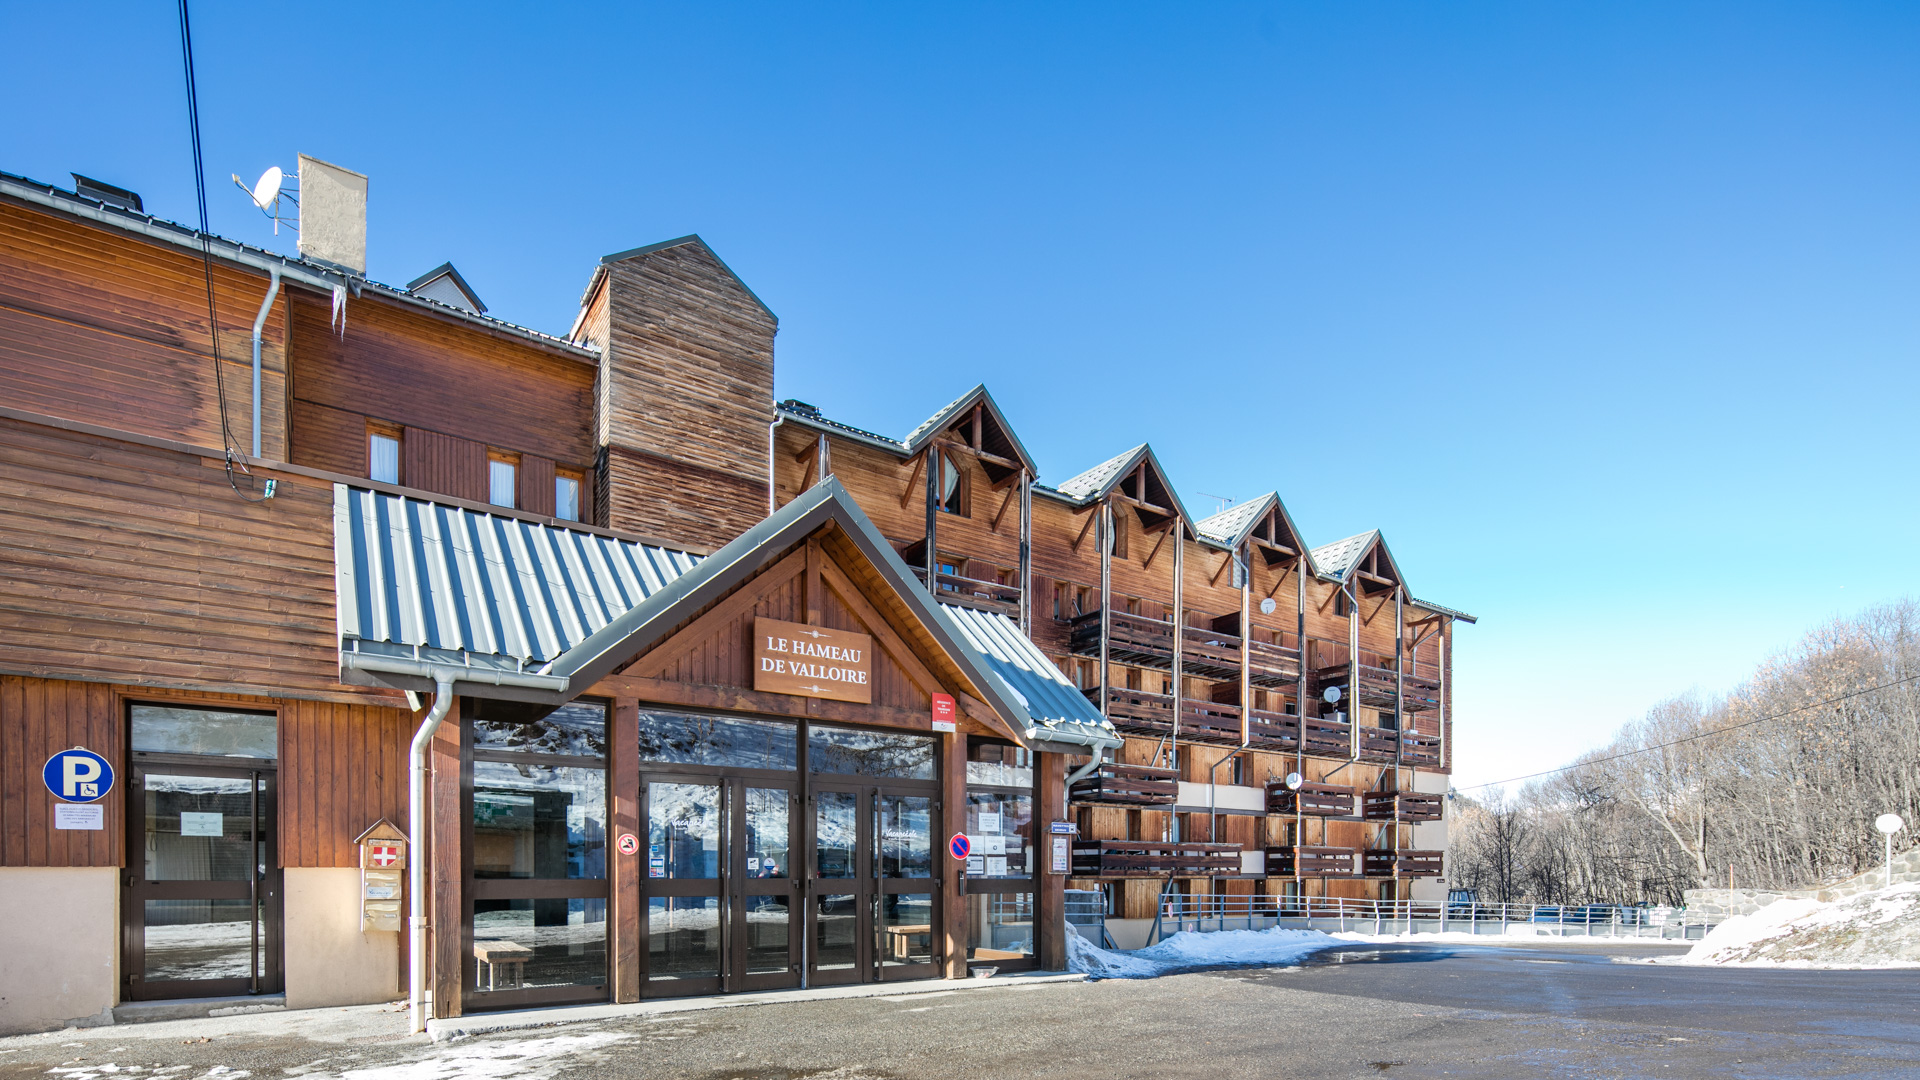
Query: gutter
450,673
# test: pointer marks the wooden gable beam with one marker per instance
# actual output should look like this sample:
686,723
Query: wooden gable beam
1004,503
1091,517
696,632
913,481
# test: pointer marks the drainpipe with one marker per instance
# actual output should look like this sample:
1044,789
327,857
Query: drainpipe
259,323
1084,771
417,866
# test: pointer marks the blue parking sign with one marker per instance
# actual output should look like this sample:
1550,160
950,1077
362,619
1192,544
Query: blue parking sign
78,775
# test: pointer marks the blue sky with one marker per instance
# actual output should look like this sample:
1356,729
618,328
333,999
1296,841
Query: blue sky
1605,314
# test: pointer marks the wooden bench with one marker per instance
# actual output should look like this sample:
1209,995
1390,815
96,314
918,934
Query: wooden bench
503,964
900,938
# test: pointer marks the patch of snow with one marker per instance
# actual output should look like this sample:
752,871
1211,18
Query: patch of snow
1190,949
497,1059
1879,929
1517,934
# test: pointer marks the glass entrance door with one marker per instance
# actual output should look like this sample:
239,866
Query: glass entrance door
202,911
870,904
720,885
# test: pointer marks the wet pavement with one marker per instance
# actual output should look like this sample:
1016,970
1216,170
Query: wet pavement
1403,1010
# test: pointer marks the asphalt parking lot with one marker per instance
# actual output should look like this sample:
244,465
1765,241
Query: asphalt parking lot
1400,1011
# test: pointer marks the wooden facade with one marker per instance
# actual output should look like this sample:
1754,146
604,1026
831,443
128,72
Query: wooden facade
146,563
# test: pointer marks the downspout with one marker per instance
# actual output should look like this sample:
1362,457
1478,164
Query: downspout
259,323
417,867
774,423
1084,771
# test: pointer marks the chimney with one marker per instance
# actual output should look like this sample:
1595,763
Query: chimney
333,215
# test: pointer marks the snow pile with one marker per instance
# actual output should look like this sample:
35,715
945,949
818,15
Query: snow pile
1189,949
1871,929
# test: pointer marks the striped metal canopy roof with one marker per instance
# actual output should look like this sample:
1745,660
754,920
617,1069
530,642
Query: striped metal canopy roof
1053,704
426,579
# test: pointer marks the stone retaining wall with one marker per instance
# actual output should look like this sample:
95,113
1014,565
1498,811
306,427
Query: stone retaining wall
1725,902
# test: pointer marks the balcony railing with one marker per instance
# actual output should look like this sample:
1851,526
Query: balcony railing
1403,864
1208,654
1376,689
1400,806
1115,784
1313,862
1414,748
1318,800
990,595
1138,712
1150,858
1378,744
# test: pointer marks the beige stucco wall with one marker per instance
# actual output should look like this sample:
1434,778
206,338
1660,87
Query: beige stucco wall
61,965
328,960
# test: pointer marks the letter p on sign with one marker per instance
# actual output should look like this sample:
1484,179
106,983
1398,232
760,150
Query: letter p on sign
78,775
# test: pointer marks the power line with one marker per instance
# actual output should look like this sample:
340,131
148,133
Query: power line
1697,735
228,443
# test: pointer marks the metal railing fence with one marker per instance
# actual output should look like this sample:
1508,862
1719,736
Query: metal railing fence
1341,914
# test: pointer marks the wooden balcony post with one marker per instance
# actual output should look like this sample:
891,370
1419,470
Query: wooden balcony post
1353,663
1399,705
953,878
1300,689
1050,899
1105,541
1179,631
624,871
935,462
1246,641
1440,645
1026,553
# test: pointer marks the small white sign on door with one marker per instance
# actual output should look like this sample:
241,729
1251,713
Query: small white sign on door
195,823
989,822
990,845
79,816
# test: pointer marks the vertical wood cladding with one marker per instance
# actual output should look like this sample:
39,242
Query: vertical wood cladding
444,464
128,563
687,380
342,767
38,718
105,328
535,479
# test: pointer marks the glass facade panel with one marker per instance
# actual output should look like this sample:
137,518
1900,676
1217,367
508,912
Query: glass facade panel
520,944
197,828
719,741
869,753
906,835
768,922
683,831
198,939
836,928
578,729
904,928
683,937
766,839
998,774
537,821
999,926
163,730
1000,828
836,834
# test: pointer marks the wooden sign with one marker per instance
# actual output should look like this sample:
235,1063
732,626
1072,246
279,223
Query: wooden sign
812,661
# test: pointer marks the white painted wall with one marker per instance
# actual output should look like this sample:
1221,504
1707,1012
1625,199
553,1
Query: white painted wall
329,961
61,966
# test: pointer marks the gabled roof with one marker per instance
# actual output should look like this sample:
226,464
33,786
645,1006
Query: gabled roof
1230,527
957,410
427,590
424,285
1437,609
1102,480
691,238
1340,560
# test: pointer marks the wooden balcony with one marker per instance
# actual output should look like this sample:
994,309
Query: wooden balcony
1207,654
1152,858
1400,806
1137,712
1376,689
1114,784
1379,744
1327,737
1414,748
1419,749
1402,864
987,595
1313,862
1317,800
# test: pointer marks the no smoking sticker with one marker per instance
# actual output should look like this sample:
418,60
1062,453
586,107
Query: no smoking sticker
629,843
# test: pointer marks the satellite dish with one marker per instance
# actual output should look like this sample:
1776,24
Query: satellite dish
1294,780
1889,823
267,188
1331,695
1267,605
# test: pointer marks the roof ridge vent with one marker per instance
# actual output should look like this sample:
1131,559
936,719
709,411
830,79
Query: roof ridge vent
88,187
795,405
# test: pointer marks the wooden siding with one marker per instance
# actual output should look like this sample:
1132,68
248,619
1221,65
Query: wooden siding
342,768
686,378
105,328
132,564
444,464
38,718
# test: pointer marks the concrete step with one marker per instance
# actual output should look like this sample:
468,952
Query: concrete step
146,1012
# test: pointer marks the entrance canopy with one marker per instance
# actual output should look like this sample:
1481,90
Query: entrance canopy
512,609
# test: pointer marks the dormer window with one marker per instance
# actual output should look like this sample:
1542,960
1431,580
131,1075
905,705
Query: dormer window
953,487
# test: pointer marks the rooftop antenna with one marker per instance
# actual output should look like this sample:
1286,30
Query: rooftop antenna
1221,499
267,193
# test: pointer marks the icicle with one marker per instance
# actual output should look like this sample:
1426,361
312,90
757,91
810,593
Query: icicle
339,320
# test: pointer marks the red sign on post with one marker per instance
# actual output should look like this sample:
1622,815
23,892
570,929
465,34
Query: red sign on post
944,713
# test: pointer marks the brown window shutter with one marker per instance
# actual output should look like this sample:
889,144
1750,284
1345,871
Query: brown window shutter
445,465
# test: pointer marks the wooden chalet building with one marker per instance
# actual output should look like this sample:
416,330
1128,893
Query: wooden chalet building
516,669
